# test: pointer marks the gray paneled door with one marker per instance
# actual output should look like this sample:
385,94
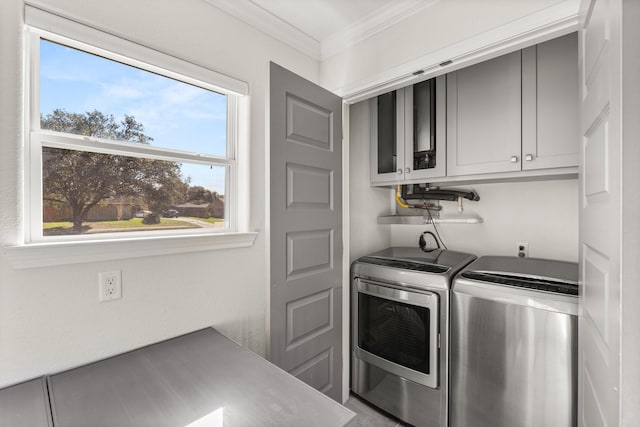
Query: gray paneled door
306,231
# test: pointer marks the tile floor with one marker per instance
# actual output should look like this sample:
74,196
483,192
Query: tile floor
368,416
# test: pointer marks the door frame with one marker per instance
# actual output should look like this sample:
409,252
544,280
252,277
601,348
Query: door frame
630,244
346,256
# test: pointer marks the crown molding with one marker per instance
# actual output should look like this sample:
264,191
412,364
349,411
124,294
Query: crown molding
370,24
270,24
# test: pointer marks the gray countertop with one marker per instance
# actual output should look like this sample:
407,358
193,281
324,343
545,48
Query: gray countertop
199,379
25,405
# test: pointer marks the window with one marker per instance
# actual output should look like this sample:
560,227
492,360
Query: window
124,141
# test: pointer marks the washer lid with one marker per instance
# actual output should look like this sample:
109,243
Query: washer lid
437,261
405,264
536,274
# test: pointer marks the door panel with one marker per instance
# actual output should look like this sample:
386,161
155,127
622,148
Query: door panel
309,317
308,123
305,311
309,252
309,187
600,214
317,372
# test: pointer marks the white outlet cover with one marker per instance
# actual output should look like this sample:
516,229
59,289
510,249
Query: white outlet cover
110,285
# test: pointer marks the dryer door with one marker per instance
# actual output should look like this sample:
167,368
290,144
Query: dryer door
397,330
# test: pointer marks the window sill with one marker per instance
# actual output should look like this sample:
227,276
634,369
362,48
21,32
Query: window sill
35,255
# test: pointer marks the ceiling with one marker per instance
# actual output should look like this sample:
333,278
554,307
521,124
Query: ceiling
320,18
321,28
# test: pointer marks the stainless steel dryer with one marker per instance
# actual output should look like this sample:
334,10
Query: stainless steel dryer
400,327
514,344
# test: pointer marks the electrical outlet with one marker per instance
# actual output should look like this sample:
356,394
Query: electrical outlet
110,285
523,249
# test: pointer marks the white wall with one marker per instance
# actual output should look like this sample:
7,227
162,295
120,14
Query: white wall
438,26
50,318
544,214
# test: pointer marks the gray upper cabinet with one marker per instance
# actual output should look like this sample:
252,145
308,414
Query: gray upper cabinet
511,117
550,104
484,117
387,130
407,135
517,112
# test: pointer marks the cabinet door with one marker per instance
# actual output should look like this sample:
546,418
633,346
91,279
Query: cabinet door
387,137
484,117
425,129
550,104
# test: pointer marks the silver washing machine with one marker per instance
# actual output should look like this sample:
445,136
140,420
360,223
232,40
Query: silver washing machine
514,336
400,329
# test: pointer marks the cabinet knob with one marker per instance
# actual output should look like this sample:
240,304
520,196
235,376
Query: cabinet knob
407,170
514,159
528,157
399,171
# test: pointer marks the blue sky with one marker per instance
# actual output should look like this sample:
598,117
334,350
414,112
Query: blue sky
175,114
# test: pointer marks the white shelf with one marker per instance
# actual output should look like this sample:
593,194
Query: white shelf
420,220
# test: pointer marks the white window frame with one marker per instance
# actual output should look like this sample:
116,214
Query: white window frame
40,24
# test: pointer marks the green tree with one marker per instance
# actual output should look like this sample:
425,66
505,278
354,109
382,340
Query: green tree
161,186
83,179
200,195
96,124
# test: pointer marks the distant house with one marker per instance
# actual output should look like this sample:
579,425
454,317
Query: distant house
55,212
217,207
193,209
123,208
214,209
115,208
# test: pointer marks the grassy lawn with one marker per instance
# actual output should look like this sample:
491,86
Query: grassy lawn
209,220
134,224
